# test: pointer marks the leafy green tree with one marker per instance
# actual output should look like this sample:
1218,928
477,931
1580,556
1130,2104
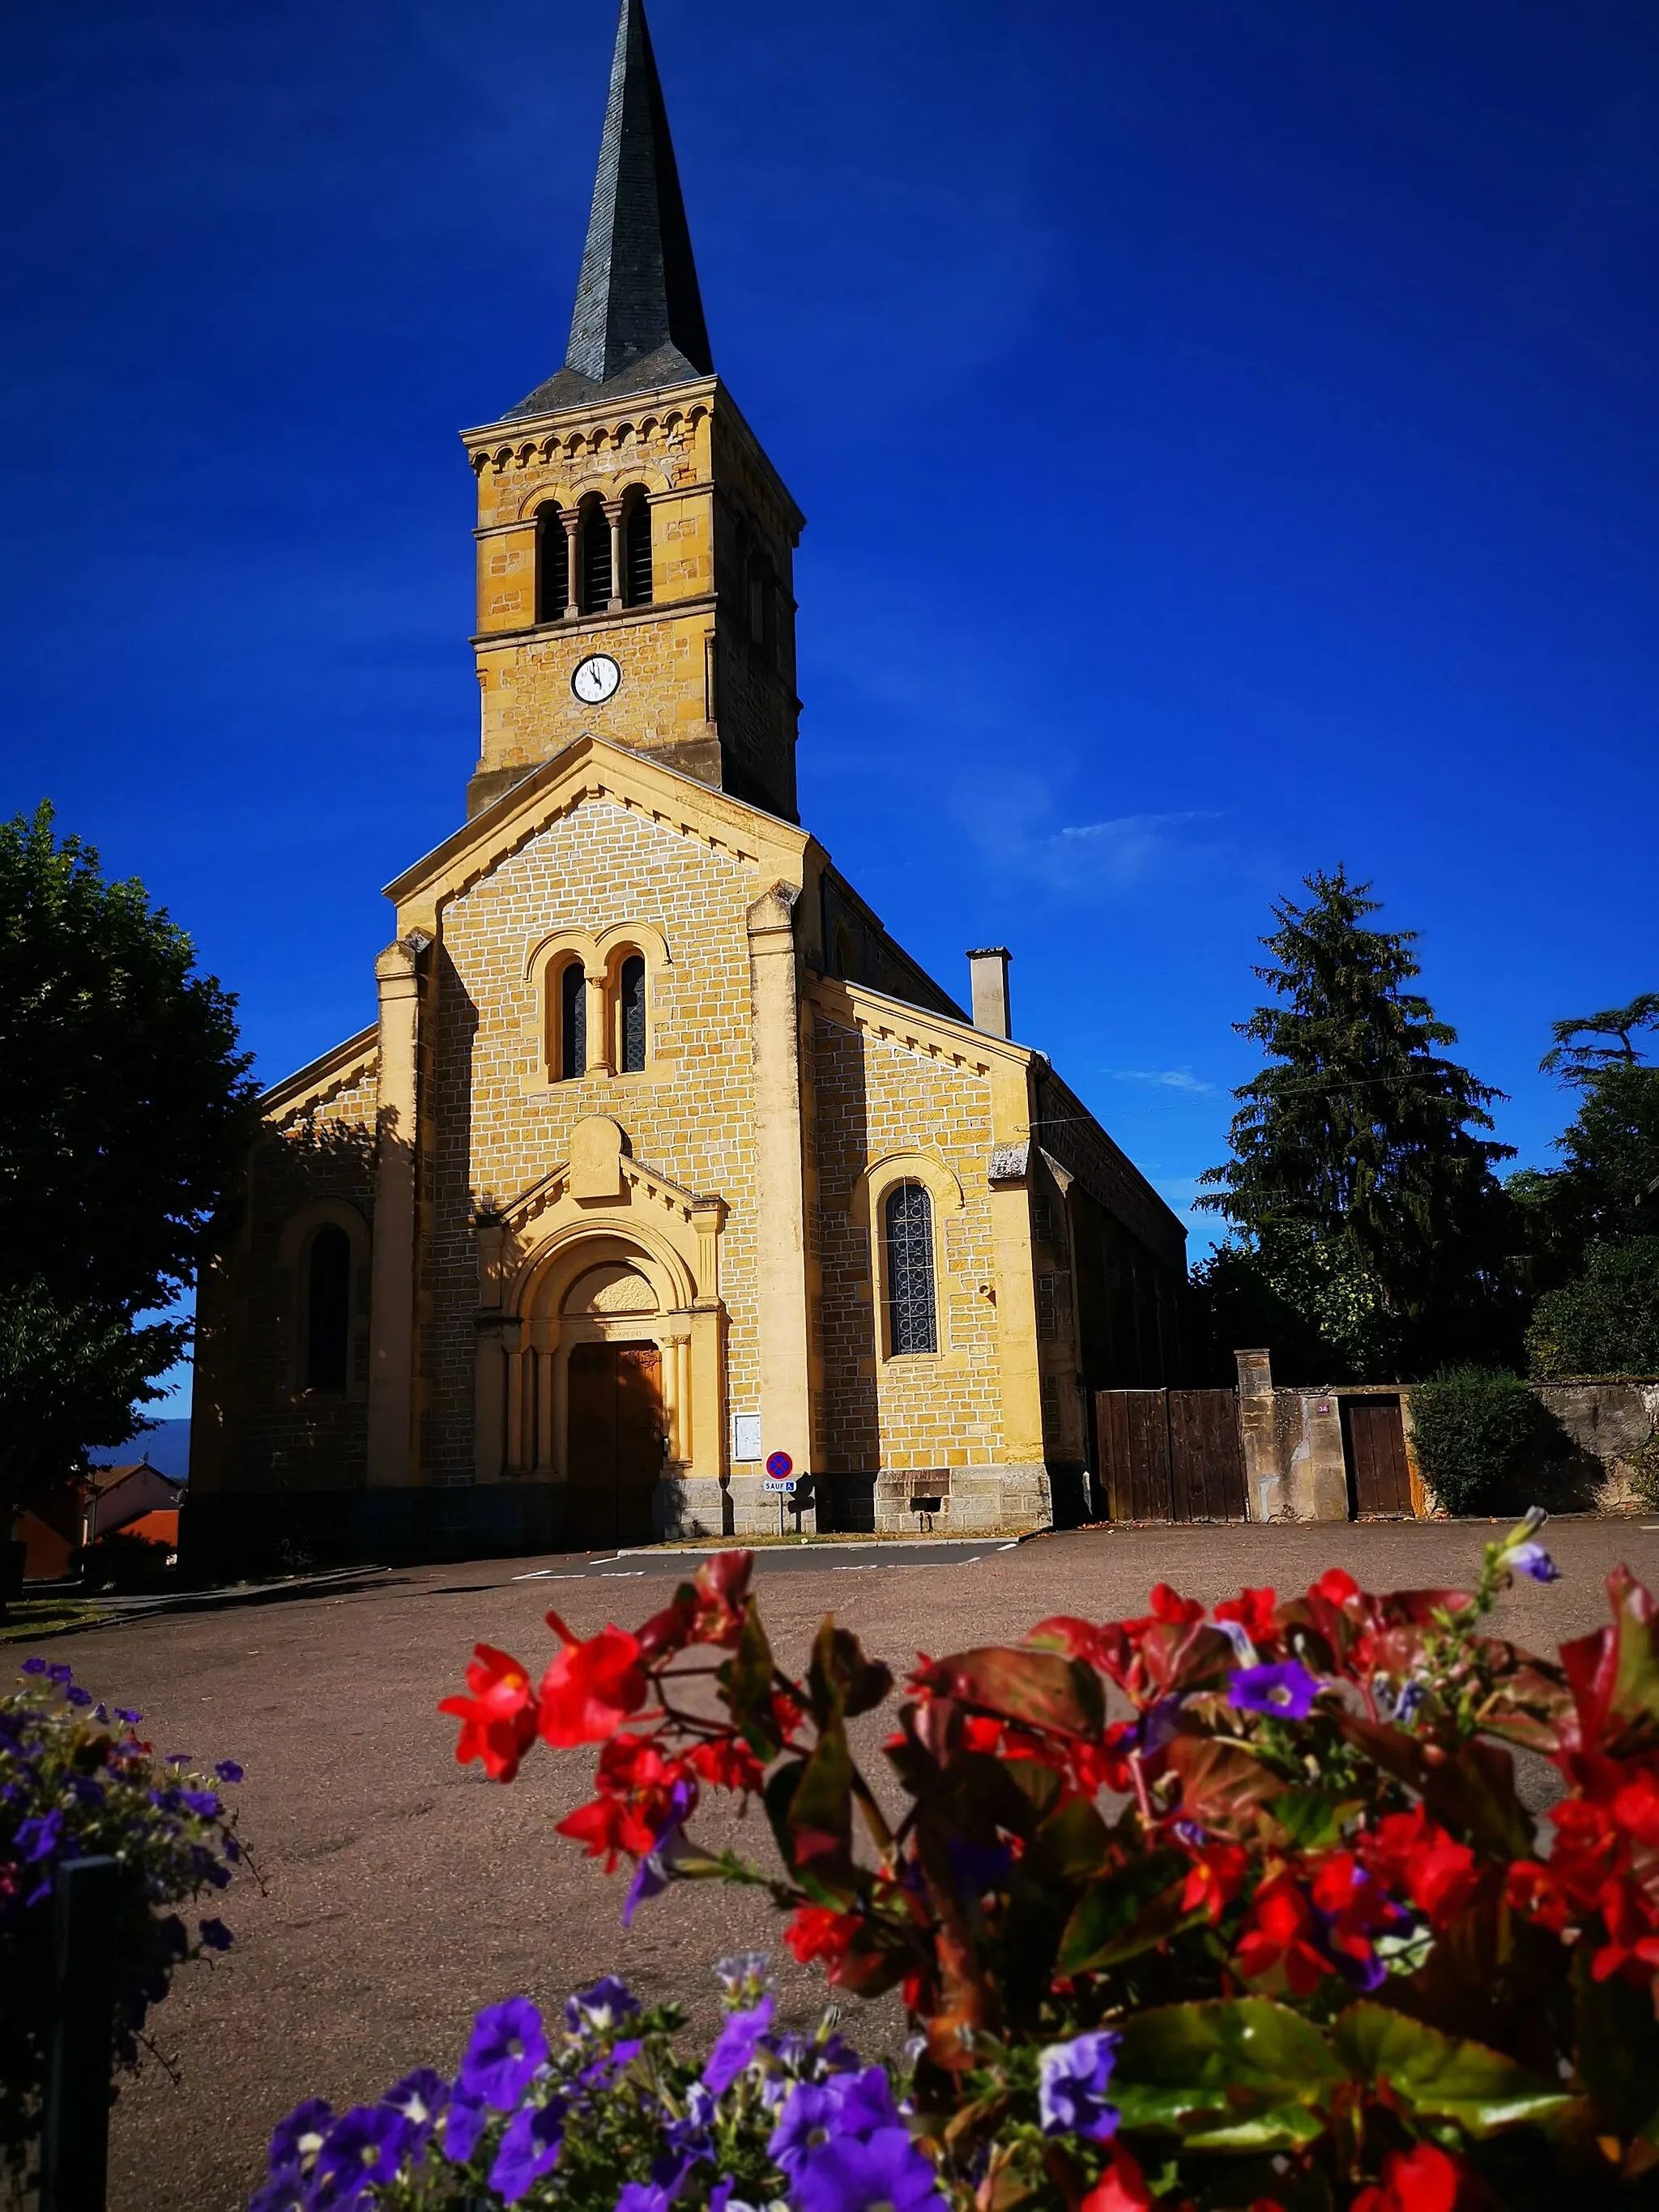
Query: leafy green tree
1361,1190
1604,1322
125,1115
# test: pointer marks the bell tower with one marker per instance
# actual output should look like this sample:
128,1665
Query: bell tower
636,545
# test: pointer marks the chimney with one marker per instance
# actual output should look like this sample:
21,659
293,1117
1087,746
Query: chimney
987,970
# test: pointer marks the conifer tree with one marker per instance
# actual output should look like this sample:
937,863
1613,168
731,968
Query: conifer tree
1361,1190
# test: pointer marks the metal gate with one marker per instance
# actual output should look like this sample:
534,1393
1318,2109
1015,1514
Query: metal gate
1170,1454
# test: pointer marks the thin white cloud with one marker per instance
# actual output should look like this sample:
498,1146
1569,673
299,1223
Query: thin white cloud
1167,1079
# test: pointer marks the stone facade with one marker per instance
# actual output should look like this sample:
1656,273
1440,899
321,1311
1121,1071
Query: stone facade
661,1158
722,1204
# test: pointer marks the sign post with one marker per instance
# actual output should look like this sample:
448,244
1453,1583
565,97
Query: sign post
781,1477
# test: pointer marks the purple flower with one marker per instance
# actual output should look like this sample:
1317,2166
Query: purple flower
300,2136
126,1713
1533,1559
867,2102
808,2120
60,1674
691,2138
1156,1726
226,1770
651,1876
1287,1691
286,2194
644,2197
506,2049
610,2064
216,1935
735,2045
603,2006
464,2121
34,1664
202,1802
77,1696
420,2097
40,1838
529,2150
742,1973
846,2175
720,2195
1071,2086
365,2146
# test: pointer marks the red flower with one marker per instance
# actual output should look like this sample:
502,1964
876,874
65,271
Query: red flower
1636,1808
1633,1944
1170,1607
1422,2179
1253,1609
728,1762
1278,1938
722,1597
607,1826
1121,2188
817,1932
498,1721
1214,1878
1533,1890
591,1688
1438,1873
1335,1587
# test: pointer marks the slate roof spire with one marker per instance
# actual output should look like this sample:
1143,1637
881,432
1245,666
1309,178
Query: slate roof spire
638,321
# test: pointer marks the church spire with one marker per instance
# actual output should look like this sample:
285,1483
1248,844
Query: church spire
638,322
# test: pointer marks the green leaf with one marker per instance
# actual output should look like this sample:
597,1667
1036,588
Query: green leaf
1129,1911
1313,1818
841,1679
1037,1687
1240,2074
1441,2076
746,1678
820,1816
1616,2041
1220,1781
1069,1845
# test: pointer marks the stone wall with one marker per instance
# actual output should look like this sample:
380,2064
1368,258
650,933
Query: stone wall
1296,1467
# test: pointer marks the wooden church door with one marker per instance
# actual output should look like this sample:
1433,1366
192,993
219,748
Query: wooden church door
615,1436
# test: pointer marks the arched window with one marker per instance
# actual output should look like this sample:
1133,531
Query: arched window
907,1218
631,1014
552,563
594,557
637,551
328,1309
573,1021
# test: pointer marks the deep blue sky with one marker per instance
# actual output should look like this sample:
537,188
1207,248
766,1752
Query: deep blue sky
1229,438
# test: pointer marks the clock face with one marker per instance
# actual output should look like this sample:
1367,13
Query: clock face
596,679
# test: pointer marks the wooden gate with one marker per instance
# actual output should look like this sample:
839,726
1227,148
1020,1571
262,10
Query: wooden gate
1170,1454
1374,1444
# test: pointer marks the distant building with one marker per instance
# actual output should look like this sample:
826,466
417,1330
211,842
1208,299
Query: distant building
137,1499
661,1158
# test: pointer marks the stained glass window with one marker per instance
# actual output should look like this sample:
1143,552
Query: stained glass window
573,1021
631,992
912,1326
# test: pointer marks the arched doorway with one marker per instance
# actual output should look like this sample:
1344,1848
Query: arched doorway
616,1425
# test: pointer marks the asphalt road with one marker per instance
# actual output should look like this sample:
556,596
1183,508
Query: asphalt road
403,1890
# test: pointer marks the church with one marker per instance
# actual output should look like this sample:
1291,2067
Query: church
661,1165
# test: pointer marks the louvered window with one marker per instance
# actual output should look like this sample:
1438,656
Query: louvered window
595,561
636,552
911,1326
631,995
552,560
573,1021
328,1309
